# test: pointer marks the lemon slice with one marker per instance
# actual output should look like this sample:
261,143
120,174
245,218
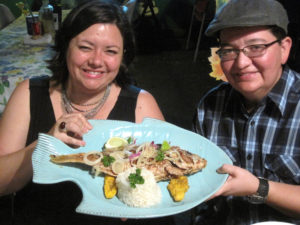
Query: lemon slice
116,142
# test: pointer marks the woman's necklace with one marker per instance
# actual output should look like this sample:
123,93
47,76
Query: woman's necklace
90,113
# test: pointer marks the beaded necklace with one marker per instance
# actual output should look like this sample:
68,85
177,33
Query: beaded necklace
90,113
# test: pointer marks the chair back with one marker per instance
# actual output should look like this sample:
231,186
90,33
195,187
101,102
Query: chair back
6,16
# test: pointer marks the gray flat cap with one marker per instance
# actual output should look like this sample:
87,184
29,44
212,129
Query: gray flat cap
248,13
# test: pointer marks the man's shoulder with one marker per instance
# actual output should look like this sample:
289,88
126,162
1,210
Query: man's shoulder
221,90
216,97
295,80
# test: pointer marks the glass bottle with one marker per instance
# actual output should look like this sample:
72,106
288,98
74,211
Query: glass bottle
46,17
57,13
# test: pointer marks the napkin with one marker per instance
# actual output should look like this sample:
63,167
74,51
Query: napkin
45,39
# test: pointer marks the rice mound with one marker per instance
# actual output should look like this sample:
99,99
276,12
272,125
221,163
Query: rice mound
144,195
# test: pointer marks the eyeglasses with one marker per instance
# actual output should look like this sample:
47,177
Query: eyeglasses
250,51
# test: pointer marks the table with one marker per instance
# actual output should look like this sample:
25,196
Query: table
19,61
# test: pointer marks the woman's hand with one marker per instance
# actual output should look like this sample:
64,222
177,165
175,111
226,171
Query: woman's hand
240,182
70,128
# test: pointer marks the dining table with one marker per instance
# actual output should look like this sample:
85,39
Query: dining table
21,58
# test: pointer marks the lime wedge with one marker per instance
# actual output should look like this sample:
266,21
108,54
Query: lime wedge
116,142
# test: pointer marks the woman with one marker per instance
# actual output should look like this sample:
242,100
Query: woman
94,48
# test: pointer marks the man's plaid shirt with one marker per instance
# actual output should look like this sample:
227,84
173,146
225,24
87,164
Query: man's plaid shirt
265,142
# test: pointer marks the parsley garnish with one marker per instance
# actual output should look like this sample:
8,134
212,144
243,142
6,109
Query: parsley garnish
129,140
161,152
136,178
107,160
160,155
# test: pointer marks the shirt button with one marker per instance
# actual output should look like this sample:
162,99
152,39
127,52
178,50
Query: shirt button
249,156
252,123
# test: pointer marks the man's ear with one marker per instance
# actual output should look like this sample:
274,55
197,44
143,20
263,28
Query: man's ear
286,45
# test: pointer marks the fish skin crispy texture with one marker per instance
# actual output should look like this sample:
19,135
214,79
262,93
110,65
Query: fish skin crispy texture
162,170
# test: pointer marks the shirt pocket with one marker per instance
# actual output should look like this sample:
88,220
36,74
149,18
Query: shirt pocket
283,167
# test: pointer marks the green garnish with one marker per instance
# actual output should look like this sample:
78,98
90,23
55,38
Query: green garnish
107,160
161,152
135,178
165,146
160,156
129,140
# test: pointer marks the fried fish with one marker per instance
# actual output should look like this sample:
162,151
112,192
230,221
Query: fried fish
164,164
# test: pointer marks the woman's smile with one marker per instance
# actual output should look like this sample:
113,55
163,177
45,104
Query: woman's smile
93,74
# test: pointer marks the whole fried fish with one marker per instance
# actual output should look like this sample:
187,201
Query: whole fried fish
164,165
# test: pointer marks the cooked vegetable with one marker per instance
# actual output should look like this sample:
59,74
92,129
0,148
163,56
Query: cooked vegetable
177,187
92,158
118,166
110,188
134,155
136,178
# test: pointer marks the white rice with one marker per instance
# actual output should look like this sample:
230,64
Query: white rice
144,195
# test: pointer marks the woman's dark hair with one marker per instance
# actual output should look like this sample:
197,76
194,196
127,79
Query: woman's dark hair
79,19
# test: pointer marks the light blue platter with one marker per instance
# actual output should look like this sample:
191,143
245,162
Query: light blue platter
202,184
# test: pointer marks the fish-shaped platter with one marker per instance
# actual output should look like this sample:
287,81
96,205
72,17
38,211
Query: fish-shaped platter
203,183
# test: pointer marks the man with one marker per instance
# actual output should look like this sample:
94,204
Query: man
255,117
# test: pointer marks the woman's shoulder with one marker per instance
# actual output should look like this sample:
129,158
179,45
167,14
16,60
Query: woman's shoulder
131,90
42,81
25,87
22,86
142,96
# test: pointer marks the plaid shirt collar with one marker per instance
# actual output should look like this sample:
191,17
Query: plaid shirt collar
277,96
